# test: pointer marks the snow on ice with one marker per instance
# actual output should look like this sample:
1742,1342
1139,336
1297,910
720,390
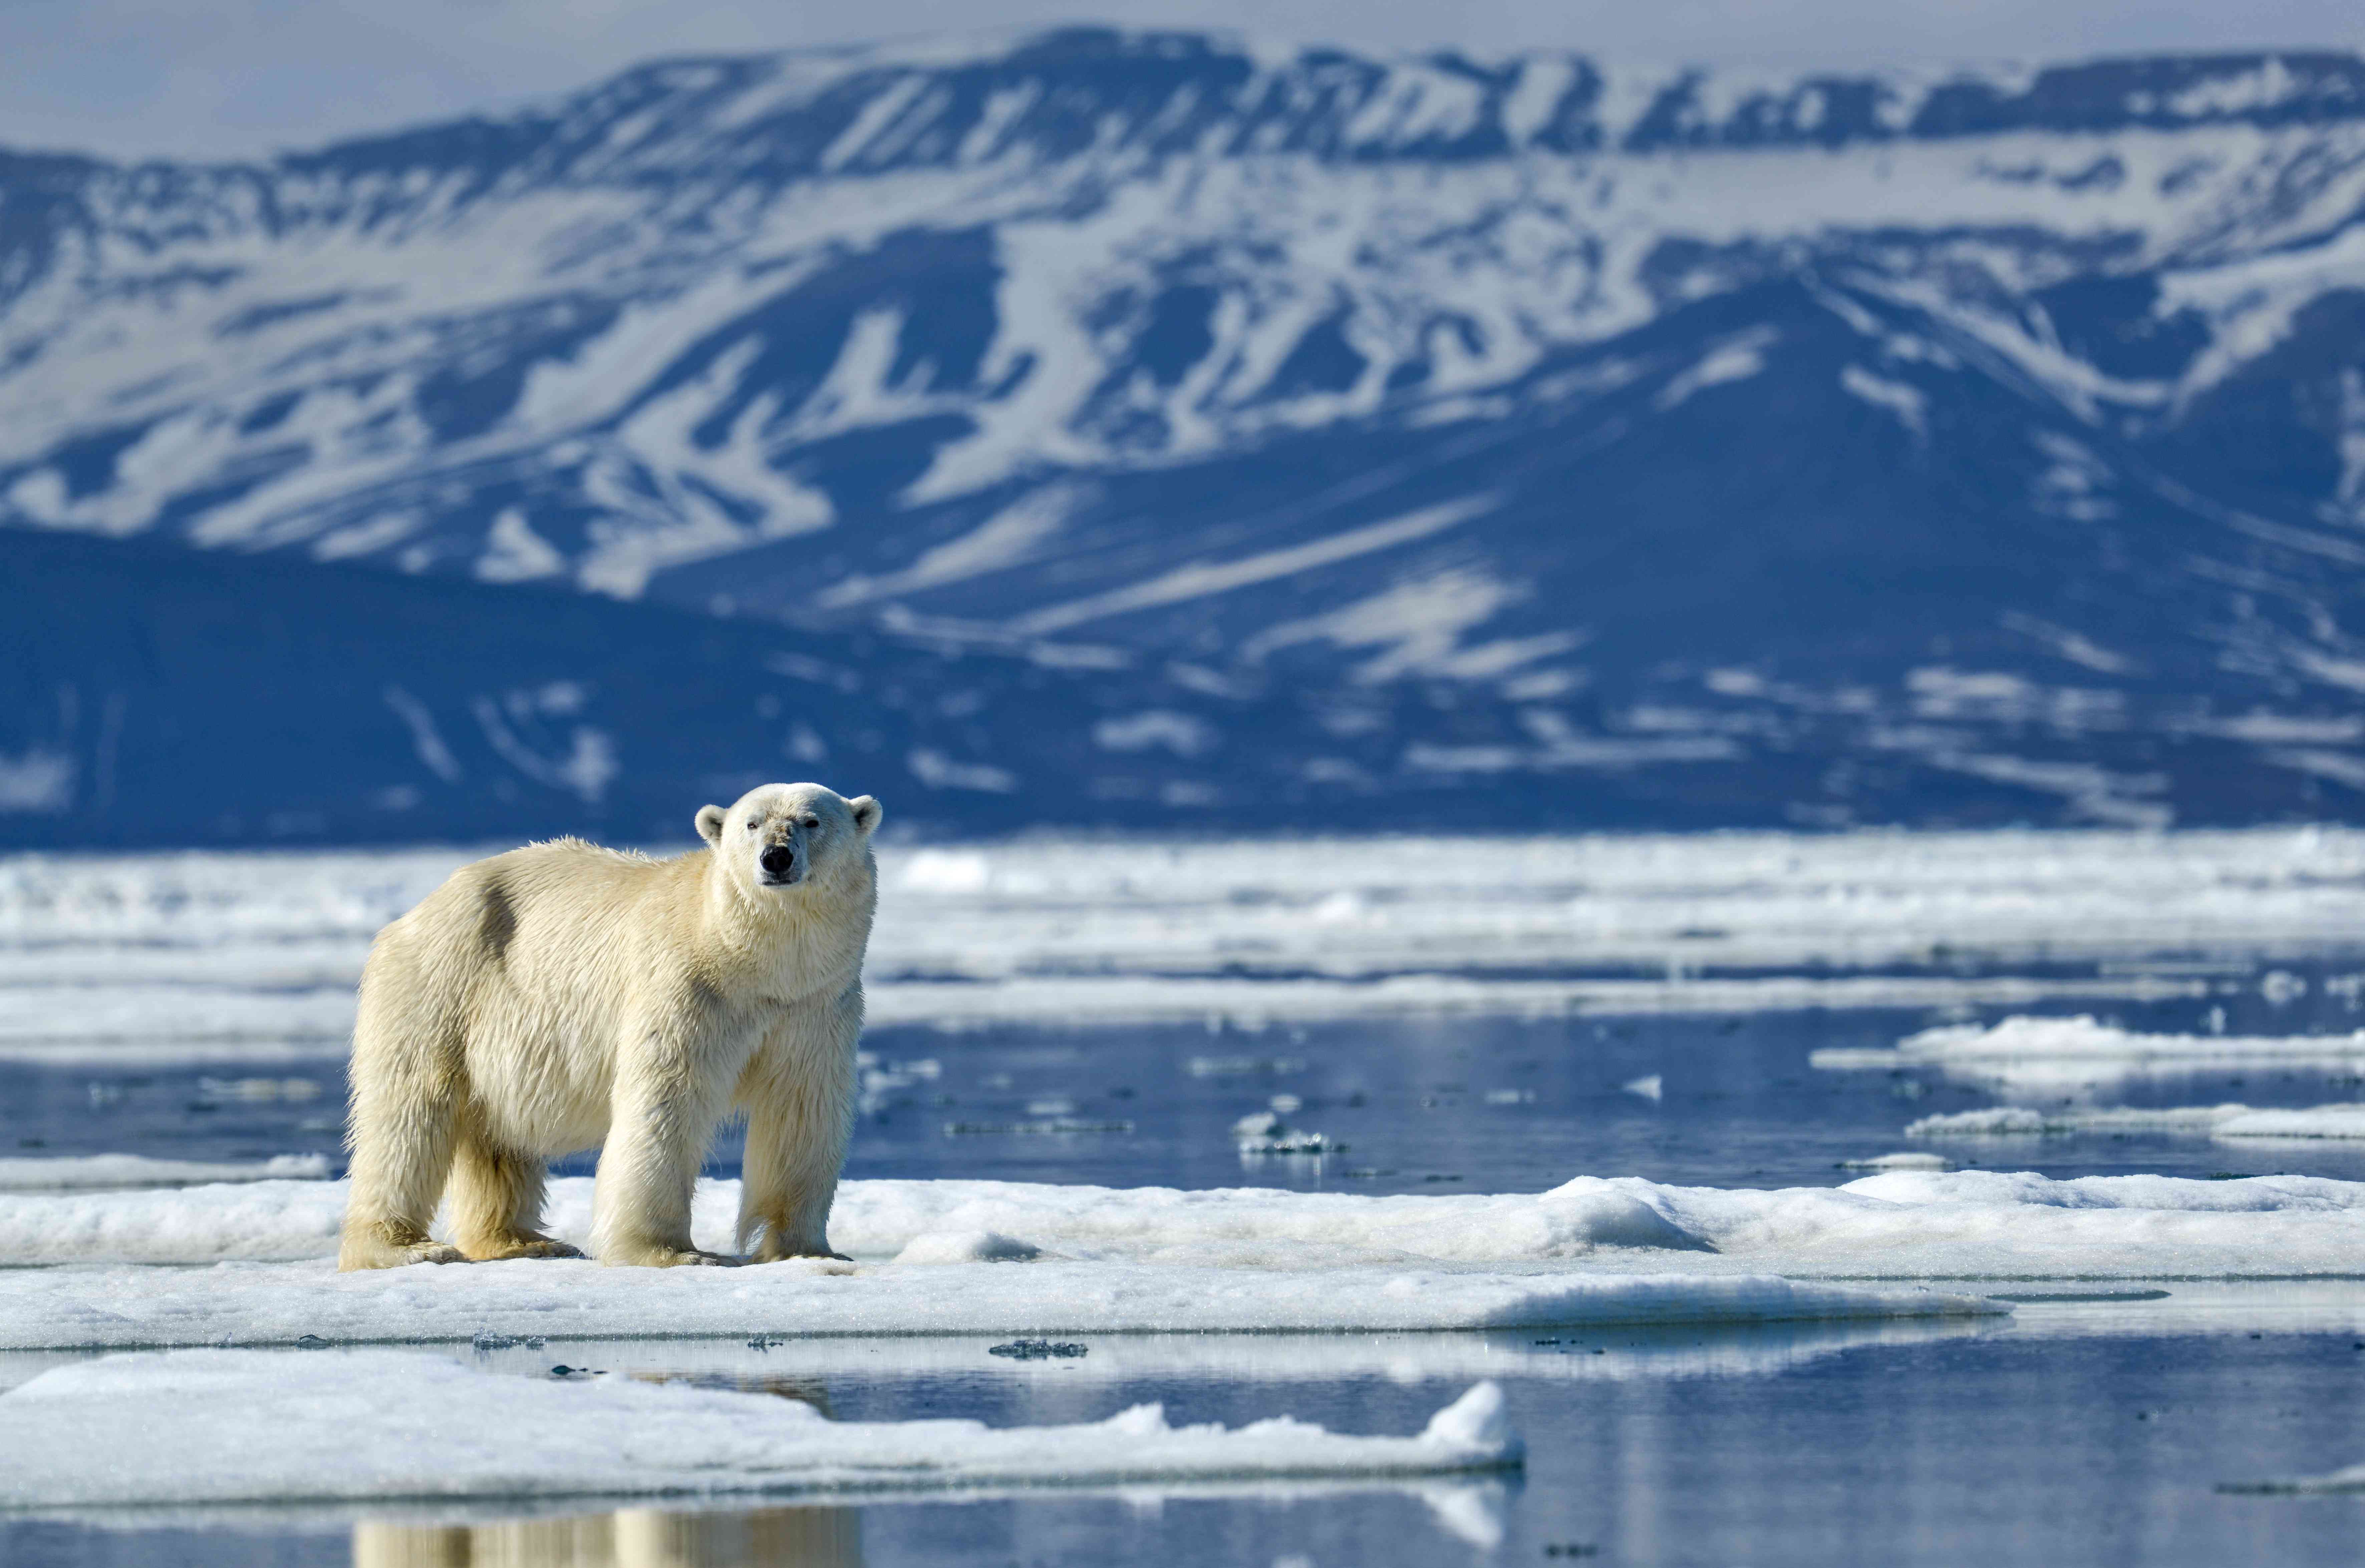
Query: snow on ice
199,1427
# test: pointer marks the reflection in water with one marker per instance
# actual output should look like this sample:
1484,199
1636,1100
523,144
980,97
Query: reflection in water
629,1538
810,1391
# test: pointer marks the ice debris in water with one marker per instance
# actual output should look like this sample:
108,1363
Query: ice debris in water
1903,1160
1243,1066
1041,1126
1649,1088
485,1339
1038,1349
257,1088
1263,1132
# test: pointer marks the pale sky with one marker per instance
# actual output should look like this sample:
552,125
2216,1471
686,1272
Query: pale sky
174,78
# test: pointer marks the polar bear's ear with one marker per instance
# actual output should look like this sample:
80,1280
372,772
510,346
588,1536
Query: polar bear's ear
866,812
710,823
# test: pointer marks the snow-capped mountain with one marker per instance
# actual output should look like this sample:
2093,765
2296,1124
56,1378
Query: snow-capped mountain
1293,437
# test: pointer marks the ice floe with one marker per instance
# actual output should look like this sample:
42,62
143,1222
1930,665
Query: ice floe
101,1171
2213,1121
209,1426
1019,1258
2033,1053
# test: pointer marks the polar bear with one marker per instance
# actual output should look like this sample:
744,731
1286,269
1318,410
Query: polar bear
564,996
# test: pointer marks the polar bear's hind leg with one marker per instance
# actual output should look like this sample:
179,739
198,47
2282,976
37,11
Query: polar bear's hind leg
497,1197
400,1124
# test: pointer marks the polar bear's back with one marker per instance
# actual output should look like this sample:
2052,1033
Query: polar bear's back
560,898
552,937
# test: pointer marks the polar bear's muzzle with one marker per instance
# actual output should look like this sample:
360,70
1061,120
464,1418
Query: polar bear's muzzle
776,866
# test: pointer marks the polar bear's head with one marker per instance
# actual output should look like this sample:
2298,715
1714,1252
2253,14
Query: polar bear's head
779,835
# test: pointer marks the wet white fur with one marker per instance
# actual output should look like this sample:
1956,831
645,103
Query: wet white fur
563,995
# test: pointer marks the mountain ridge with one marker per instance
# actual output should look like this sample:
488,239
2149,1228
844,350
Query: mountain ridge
1839,447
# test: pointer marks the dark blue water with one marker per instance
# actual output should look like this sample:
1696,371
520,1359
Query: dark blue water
1420,1104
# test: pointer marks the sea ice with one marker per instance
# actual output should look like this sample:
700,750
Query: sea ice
1591,1251
2032,1054
254,956
2229,1121
2083,1037
213,1426
99,1170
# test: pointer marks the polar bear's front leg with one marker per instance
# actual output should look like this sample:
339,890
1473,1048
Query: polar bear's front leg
799,1093
660,1116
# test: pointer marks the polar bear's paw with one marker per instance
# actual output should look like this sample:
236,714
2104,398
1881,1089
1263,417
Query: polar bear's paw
667,1257
770,1250
368,1251
525,1244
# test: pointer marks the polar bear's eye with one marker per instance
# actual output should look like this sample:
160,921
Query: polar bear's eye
813,822
753,826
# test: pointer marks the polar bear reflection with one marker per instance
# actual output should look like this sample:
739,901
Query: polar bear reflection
630,1538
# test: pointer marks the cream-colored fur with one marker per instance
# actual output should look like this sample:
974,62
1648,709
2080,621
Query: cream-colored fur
564,996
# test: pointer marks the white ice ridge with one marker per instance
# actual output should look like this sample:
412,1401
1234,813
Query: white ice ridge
72,1172
194,1427
227,955
2228,1121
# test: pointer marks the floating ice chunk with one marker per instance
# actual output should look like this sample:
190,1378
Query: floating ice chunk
1652,1087
2032,1055
1264,1132
90,1171
2304,1122
258,1089
1242,1067
1904,1159
1288,1140
1476,1421
968,1246
2339,1481
2229,1121
196,1426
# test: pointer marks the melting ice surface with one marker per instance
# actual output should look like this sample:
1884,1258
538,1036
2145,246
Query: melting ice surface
1696,1302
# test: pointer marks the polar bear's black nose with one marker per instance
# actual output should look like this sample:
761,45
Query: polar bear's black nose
777,860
